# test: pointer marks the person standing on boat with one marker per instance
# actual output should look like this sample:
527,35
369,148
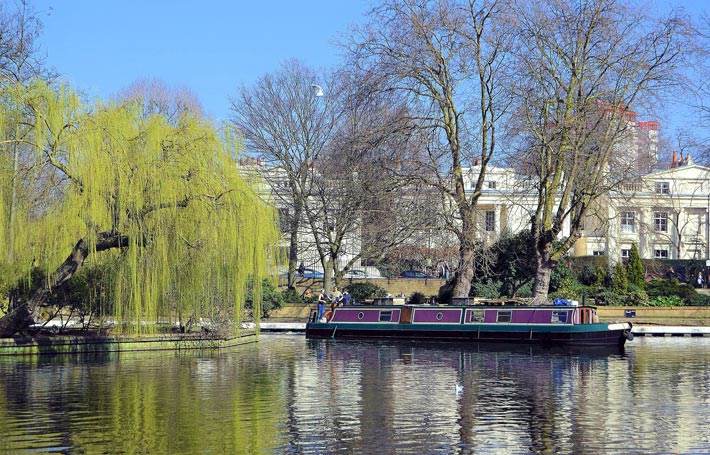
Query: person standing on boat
347,298
322,300
335,297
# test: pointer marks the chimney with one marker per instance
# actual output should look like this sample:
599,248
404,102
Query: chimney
674,160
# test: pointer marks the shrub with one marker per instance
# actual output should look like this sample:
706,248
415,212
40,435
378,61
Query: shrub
292,296
700,300
666,301
561,276
486,289
417,299
607,296
525,290
271,298
364,291
672,287
588,275
636,296
602,276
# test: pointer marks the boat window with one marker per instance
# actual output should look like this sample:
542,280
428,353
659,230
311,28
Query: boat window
476,316
360,315
439,316
559,316
504,316
385,316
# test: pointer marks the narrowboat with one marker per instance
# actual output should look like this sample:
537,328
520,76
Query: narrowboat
548,325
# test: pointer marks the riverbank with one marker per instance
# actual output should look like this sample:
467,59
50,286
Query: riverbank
41,345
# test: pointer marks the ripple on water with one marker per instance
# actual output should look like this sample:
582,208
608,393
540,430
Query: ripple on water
290,395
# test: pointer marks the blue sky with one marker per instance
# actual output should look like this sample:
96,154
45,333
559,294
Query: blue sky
212,46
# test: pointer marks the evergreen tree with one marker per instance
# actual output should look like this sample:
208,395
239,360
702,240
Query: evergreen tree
619,280
634,268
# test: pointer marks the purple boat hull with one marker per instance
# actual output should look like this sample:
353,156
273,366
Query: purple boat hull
541,325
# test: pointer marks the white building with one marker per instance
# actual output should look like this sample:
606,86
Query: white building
664,212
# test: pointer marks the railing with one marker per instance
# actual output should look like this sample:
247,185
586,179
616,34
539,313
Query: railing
634,187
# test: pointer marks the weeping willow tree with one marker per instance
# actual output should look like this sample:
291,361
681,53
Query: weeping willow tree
157,204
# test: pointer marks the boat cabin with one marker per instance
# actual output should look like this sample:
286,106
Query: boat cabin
409,314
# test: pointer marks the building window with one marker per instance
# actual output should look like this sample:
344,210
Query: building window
625,253
660,253
598,253
663,188
504,316
660,221
628,222
490,221
492,185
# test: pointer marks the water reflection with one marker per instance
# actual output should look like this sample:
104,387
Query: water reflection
289,395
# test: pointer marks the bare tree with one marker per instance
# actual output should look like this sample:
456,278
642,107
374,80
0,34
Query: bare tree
288,127
583,65
20,59
157,97
447,59
360,208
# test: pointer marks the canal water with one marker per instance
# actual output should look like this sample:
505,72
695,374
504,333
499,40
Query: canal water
291,395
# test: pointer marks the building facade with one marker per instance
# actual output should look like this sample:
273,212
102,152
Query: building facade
665,213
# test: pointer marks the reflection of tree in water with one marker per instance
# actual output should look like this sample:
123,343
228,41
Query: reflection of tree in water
145,404
435,397
324,396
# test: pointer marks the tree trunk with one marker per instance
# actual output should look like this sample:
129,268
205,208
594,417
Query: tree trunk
328,275
22,313
544,265
293,246
465,272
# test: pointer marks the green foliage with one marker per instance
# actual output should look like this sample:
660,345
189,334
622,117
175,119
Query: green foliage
667,288
636,296
271,299
699,300
197,231
514,262
525,290
562,277
603,277
365,291
634,269
588,275
610,297
486,289
417,299
666,301
292,296
619,281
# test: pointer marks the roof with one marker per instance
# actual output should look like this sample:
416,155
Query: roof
673,172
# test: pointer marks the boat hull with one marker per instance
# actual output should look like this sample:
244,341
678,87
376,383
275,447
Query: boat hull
597,334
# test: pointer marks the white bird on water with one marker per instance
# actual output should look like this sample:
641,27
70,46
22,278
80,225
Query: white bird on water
459,390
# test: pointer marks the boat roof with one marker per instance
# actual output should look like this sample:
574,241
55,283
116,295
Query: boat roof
511,306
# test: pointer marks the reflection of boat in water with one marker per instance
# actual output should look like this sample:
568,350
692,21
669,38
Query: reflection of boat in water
546,325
